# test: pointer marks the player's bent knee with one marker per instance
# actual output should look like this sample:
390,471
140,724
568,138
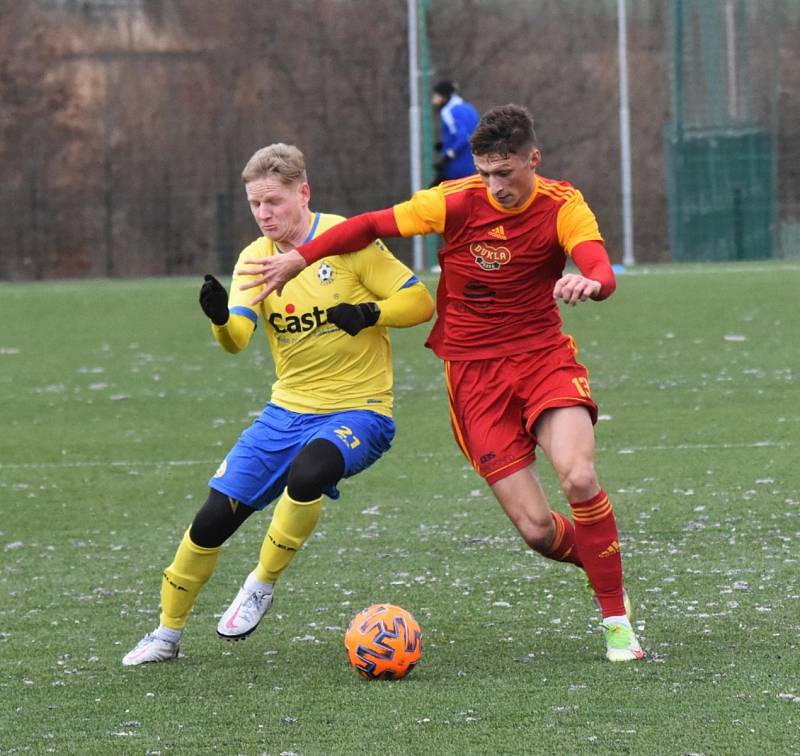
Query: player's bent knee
580,483
217,520
318,466
538,535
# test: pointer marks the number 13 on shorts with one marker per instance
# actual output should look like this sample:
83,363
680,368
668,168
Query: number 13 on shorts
582,386
346,436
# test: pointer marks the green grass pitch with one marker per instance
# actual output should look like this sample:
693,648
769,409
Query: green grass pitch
117,406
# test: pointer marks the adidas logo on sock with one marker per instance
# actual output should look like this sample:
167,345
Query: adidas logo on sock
610,551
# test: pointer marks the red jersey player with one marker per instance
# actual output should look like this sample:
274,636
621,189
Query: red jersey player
512,376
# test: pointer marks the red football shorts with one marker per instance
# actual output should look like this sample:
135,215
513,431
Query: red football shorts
495,403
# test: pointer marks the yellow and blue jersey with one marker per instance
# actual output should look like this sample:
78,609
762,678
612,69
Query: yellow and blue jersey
319,367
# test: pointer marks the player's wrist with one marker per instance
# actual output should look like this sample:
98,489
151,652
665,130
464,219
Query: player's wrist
371,313
220,318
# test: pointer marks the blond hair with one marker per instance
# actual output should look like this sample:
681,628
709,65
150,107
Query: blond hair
282,160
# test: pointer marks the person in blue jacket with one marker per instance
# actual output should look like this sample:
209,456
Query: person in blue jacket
457,120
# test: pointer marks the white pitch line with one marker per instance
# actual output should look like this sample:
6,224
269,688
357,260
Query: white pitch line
110,463
191,462
694,447
690,269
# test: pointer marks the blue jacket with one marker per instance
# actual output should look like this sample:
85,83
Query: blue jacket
458,120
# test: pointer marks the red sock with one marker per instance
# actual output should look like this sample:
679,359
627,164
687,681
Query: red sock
597,543
563,548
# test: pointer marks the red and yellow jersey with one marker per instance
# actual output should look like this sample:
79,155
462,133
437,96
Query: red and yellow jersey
499,266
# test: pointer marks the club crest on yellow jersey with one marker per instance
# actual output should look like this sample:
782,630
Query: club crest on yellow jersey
325,274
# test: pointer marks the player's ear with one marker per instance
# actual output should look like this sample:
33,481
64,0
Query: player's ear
536,158
305,192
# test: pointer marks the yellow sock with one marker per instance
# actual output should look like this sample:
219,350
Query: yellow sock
292,523
183,579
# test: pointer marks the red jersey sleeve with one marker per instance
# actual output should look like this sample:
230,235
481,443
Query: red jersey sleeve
350,235
592,261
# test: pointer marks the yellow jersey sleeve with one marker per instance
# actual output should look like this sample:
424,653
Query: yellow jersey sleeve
424,213
408,307
238,300
576,223
235,335
402,298
379,270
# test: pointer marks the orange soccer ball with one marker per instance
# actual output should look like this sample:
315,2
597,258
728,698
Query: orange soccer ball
383,642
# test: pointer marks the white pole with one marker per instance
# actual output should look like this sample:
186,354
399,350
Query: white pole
730,41
415,137
625,136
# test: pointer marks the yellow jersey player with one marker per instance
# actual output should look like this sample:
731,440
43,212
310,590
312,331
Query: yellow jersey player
330,412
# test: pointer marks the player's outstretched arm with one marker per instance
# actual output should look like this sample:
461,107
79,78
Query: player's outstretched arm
351,235
273,273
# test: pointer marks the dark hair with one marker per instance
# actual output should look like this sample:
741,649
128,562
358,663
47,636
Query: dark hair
504,130
445,88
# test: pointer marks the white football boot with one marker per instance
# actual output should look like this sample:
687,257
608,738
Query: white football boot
622,645
244,613
151,648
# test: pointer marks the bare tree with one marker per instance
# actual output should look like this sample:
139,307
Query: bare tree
124,131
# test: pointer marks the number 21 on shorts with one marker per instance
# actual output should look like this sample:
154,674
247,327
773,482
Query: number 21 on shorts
347,438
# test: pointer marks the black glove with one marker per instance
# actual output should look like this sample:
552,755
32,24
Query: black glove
352,318
214,300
